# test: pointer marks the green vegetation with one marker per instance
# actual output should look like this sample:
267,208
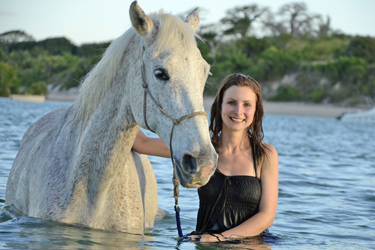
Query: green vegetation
298,58
9,82
28,66
294,54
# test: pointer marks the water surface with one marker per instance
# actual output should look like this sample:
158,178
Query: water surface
326,191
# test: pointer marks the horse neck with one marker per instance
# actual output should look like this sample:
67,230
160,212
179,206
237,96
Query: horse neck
104,149
107,139
102,133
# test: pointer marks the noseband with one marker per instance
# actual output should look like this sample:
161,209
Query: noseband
175,122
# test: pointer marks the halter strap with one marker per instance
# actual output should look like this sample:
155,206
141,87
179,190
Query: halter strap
175,122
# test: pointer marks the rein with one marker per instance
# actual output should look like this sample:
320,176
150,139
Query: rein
175,122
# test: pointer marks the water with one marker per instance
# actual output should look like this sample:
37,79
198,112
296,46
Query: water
326,196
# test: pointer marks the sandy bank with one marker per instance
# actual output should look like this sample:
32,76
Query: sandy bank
28,98
62,97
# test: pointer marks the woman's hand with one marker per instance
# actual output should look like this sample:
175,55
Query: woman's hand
150,146
208,238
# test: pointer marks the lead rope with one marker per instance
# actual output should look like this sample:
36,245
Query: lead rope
175,181
176,193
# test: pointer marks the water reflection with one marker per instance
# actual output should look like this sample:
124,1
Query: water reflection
23,232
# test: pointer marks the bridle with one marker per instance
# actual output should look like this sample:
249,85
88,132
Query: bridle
175,122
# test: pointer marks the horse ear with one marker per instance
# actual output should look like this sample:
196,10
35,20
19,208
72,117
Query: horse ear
193,19
140,21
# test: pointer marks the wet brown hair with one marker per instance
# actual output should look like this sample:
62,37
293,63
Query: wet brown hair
255,130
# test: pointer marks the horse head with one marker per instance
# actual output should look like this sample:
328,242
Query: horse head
168,97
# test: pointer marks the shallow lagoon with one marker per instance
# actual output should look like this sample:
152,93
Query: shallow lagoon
326,195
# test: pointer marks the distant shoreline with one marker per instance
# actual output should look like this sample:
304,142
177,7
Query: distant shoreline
297,108
280,108
28,98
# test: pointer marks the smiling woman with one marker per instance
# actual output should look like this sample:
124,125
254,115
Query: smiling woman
240,199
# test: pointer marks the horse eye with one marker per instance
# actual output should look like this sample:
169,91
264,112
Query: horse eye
161,74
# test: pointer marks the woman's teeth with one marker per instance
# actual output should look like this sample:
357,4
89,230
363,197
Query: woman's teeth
236,119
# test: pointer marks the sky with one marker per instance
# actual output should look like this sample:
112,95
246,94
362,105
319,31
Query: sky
90,21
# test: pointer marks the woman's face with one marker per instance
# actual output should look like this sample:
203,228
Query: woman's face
238,108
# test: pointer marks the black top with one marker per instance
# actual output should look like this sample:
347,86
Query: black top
227,201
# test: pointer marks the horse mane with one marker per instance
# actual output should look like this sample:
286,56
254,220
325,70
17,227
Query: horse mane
98,81
172,32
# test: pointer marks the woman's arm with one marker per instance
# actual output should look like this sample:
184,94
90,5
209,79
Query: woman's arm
150,146
268,202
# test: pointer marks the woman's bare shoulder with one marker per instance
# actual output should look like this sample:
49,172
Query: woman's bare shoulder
269,149
270,158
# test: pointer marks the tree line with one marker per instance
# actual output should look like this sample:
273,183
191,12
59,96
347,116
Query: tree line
31,67
295,55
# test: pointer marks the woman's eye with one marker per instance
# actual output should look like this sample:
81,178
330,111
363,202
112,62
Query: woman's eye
161,74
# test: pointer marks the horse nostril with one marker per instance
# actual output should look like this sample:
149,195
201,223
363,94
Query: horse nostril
189,163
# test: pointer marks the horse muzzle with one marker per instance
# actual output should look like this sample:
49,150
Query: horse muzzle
194,173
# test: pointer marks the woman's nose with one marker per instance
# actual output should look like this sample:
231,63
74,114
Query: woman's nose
238,109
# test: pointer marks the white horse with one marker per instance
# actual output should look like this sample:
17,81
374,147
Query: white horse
76,165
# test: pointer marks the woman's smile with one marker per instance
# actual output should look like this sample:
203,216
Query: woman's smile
236,120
